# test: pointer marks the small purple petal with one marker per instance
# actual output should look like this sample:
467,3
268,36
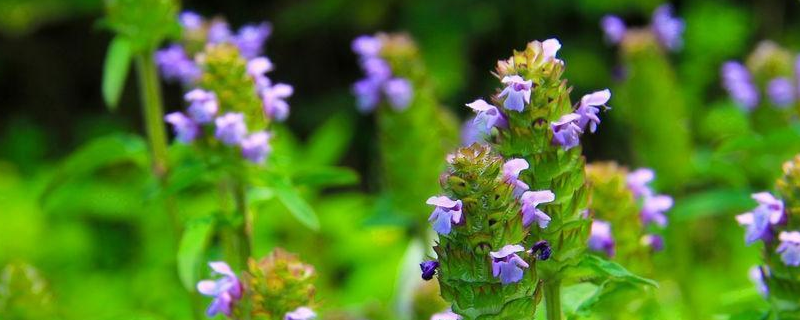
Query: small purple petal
185,129
255,147
550,48
301,313
447,315
638,181
203,105
517,92
250,39
190,20
667,28
399,92
428,269
613,28
736,79
231,128
600,238
367,46
781,92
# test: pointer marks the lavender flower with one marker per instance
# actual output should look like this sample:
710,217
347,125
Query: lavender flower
255,147
399,93
667,28
614,28
301,313
781,91
428,269
600,238
447,315
638,181
769,212
250,39
273,100
507,265
190,20
376,68
511,170
653,241
203,105
368,94
797,73
226,290
367,46
566,131
517,92
175,65
219,32
471,132
446,213
756,274
789,248
531,199
653,208
550,48
185,129
542,247
588,109
736,79
231,128
488,116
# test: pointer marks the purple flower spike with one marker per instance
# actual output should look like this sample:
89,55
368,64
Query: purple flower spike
614,28
447,315
274,101
566,131
367,46
530,214
231,128
769,212
550,48
175,65
446,213
588,109
667,28
789,248
226,290
653,241
203,105
507,265
185,129
517,92
488,116
255,147
638,181
368,94
653,209
301,313
600,238
756,275
781,92
219,32
399,93
428,269
250,39
542,247
511,170
190,20
736,79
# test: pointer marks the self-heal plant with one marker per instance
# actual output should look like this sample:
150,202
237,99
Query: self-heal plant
664,26
769,68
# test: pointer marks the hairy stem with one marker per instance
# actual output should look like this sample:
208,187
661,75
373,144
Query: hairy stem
552,299
153,112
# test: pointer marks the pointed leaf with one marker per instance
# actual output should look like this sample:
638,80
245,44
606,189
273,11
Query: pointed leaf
291,198
115,70
191,250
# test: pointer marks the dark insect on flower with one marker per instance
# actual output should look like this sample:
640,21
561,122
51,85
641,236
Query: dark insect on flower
428,269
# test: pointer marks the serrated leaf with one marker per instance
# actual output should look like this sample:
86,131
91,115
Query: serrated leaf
599,268
325,176
115,70
291,198
191,250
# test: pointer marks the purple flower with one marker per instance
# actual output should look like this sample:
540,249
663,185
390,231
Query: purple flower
667,28
175,65
653,208
185,129
736,79
255,147
376,68
550,48
507,265
756,274
368,94
471,133
588,109
614,28
543,248
566,131
759,221
301,313
781,92
231,128
600,238
447,315
428,269
218,32
653,241
190,20
257,68
446,213
367,46
250,39
488,116
797,73
789,248
203,105
517,92
531,199
226,290
511,170
273,100
638,181
399,93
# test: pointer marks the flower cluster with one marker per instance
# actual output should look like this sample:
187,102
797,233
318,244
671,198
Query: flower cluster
779,72
664,26
379,81
653,205
760,222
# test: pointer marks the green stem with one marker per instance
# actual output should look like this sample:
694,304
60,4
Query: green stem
153,111
244,231
552,299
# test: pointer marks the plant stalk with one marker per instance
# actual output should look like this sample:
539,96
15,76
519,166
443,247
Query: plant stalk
153,112
552,299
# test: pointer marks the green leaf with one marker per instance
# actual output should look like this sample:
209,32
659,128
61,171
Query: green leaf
115,70
712,203
191,249
599,268
327,144
326,177
291,198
